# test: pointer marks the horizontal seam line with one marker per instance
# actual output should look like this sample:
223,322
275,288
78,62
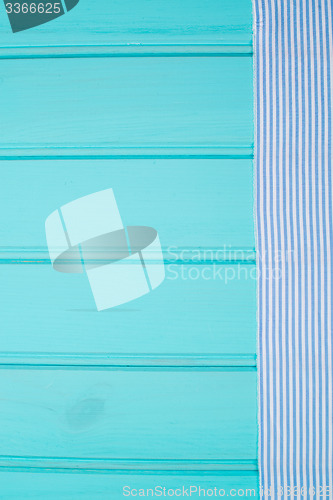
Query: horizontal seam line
181,465
233,368
128,50
61,152
233,362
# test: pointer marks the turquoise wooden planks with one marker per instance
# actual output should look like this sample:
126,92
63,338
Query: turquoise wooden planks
203,213
147,21
38,486
147,102
129,415
192,203
153,99
186,314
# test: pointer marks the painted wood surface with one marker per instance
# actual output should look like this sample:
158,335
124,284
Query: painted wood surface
147,21
141,102
187,314
155,100
39,486
110,152
203,212
192,203
127,466
131,415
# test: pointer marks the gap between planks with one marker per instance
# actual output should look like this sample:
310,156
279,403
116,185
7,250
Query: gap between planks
179,256
61,152
49,464
102,361
127,50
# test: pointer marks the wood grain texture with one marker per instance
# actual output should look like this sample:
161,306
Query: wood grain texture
127,466
57,314
109,102
39,486
39,255
191,203
88,361
126,153
153,99
129,415
128,50
147,21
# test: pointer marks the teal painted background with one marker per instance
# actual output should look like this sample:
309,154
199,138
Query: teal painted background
153,99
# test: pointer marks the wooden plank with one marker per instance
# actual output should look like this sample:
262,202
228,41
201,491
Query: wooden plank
150,21
104,361
40,255
193,205
208,317
151,102
57,314
168,415
56,486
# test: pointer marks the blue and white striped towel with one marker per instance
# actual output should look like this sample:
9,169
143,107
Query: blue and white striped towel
294,82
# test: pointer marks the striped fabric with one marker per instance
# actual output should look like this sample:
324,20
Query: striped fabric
294,81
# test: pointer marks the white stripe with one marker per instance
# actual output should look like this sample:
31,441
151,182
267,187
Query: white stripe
308,247
283,270
329,273
294,304
321,325
269,257
290,374
276,264
301,248
315,247
262,256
